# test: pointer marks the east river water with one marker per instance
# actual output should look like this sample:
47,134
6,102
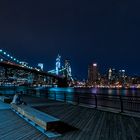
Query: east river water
124,92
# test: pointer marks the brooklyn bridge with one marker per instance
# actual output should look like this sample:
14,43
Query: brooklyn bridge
16,72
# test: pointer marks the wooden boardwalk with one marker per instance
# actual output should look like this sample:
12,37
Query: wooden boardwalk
94,124
91,124
12,127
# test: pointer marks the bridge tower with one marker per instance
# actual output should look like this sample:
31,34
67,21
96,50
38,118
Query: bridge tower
68,73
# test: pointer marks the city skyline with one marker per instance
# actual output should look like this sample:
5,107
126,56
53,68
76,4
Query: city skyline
81,31
93,69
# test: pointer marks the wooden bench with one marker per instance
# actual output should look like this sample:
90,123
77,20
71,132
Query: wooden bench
43,120
5,99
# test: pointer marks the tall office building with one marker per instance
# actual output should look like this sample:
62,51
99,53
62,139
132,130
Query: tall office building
114,75
110,74
58,64
92,73
121,73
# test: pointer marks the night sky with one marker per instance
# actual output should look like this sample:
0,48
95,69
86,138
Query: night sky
84,31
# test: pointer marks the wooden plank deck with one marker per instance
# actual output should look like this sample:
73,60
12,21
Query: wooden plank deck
91,124
12,127
94,124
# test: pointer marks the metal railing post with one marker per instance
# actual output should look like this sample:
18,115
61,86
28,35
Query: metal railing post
121,103
95,100
47,94
78,99
55,96
65,97
14,89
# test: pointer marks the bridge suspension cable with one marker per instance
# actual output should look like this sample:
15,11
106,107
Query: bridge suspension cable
7,57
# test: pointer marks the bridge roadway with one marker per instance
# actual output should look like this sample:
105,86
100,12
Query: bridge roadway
62,81
20,67
91,124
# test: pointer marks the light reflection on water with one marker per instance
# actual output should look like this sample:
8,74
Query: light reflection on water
124,92
94,90
110,91
70,91
61,89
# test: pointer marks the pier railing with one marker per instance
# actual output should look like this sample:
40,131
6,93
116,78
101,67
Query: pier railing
119,102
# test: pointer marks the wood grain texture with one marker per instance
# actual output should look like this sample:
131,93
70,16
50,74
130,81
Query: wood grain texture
91,124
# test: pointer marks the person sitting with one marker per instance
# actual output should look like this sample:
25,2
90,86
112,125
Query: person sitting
17,99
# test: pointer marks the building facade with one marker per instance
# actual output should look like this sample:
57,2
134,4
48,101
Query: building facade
92,73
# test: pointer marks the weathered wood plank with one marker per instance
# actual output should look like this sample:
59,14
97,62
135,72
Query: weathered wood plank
94,124
47,122
90,123
12,127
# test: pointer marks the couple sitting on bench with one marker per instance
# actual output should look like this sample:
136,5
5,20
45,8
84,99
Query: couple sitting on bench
17,99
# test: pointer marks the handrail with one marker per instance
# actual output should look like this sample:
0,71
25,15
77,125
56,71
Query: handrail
121,102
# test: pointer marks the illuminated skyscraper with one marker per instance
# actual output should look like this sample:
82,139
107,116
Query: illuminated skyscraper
114,74
58,64
92,73
110,74
122,73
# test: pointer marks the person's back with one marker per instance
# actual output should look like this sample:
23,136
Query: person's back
15,99
18,99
